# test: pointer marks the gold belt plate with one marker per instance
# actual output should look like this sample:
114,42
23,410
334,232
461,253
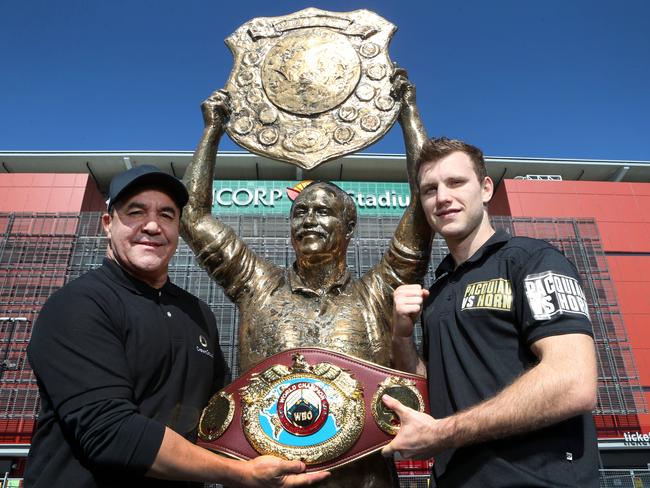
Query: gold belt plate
312,413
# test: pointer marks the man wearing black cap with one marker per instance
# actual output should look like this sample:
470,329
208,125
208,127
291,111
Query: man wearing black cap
125,361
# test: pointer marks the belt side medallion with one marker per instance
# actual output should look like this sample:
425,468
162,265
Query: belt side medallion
217,416
402,389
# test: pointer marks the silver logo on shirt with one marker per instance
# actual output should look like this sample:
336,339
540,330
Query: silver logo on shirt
550,294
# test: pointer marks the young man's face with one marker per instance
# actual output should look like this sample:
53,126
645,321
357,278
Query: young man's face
318,225
452,196
143,234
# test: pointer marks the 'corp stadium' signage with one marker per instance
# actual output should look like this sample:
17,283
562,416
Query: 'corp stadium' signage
251,196
244,197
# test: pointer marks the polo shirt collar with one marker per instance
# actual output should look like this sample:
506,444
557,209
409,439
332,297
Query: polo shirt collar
497,239
130,282
298,285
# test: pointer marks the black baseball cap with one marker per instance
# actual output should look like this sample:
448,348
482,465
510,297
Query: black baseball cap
147,175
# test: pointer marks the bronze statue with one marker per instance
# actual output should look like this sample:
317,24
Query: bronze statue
316,302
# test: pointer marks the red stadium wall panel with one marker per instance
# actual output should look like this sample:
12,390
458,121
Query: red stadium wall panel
35,256
621,213
35,252
49,192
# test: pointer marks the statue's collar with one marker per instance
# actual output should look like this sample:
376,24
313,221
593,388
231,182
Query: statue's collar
298,285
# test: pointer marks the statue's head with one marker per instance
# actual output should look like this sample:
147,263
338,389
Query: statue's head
323,218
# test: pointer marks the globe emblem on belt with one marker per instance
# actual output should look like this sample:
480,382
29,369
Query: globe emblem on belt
309,412
302,408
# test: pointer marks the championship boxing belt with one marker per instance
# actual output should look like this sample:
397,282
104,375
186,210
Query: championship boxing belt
312,404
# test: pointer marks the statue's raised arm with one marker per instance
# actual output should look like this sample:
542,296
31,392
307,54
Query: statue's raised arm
410,249
413,129
200,173
224,255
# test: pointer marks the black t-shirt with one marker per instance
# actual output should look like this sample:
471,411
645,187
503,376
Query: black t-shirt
479,322
116,361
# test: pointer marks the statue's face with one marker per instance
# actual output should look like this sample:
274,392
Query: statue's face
318,225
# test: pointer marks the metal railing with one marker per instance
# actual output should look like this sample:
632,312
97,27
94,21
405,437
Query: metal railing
414,481
625,478
609,478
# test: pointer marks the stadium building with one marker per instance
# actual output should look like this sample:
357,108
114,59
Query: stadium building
594,211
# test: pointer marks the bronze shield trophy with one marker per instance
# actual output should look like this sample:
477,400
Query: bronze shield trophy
311,86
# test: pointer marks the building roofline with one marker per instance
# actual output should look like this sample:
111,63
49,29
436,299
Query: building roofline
241,165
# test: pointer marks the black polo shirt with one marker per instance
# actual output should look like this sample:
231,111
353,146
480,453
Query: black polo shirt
117,361
479,322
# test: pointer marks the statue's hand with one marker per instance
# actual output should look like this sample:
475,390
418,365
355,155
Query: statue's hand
216,109
402,90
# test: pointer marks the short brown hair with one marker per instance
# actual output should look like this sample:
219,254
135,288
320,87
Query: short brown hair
437,148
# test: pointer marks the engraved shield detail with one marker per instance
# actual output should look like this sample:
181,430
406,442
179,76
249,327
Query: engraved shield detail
311,86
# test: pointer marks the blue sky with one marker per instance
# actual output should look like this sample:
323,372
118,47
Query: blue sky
551,78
